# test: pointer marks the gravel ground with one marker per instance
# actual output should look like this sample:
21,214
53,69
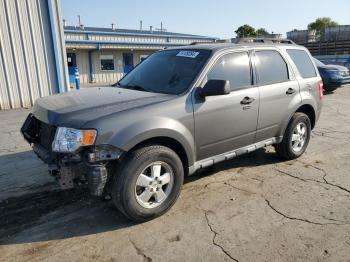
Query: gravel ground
254,208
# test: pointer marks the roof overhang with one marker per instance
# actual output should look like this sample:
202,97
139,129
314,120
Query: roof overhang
154,34
97,45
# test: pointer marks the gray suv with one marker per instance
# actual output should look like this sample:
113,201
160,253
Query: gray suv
178,111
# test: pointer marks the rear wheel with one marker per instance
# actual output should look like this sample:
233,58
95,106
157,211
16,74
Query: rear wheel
296,137
148,182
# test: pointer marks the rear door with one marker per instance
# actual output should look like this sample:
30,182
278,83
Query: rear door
279,92
224,123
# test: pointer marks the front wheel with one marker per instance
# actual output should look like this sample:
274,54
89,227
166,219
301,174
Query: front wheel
296,137
148,182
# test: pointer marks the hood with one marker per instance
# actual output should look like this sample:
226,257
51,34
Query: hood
333,67
74,109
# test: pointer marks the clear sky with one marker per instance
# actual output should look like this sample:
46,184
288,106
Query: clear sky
217,18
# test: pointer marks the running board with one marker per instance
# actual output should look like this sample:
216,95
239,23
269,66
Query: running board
232,154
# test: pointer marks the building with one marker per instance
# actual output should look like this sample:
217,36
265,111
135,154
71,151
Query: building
32,54
104,55
334,41
38,55
302,36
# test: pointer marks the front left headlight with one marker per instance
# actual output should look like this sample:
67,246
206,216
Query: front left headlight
68,140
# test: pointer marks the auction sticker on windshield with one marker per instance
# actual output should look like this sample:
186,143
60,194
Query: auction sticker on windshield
189,54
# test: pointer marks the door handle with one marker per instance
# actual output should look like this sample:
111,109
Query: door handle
247,100
290,91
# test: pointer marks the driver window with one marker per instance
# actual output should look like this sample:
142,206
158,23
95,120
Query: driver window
234,67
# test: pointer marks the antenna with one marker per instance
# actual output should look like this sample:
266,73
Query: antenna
140,25
161,29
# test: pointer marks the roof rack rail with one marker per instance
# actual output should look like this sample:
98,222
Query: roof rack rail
262,40
202,43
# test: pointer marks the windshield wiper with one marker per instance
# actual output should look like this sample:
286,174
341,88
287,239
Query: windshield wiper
133,87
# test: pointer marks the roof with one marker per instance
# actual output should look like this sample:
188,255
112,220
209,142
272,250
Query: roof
220,46
131,32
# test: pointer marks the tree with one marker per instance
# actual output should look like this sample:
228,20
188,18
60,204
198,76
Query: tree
245,31
320,24
262,32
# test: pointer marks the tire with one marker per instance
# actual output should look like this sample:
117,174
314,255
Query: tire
289,149
128,186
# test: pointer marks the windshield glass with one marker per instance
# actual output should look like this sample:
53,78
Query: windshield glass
167,72
318,62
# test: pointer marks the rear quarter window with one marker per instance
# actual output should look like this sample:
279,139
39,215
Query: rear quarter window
303,63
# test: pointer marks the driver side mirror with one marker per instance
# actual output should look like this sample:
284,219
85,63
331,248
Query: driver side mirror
215,88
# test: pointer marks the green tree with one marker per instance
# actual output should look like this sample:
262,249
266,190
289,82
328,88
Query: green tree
262,32
245,31
320,24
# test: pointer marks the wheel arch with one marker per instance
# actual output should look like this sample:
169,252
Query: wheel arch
171,143
308,110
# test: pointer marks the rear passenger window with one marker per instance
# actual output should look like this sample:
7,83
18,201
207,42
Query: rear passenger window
271,67
234,67
303,62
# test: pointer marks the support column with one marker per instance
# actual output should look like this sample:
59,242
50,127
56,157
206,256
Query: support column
91,68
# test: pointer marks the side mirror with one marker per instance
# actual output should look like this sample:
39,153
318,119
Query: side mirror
215,88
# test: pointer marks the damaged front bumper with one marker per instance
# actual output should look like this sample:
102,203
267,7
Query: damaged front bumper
89,166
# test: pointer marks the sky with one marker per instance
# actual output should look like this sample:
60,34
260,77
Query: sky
217,18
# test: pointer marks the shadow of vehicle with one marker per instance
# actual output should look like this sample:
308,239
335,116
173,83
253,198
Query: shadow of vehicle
326,93
53,215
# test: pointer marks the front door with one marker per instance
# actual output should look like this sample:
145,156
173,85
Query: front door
224,123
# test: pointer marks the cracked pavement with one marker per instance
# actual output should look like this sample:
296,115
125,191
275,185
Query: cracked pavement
253,208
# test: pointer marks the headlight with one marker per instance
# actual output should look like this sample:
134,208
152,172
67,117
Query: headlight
68,140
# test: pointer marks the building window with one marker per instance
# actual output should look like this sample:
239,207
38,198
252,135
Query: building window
107,62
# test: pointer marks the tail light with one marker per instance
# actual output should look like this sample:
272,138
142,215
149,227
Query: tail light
320,89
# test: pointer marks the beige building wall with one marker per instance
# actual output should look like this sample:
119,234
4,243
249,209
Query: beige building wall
32,52
103,76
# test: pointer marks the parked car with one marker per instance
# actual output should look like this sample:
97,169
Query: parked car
333,76
178,111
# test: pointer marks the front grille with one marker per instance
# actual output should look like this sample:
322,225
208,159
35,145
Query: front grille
46,135
37,132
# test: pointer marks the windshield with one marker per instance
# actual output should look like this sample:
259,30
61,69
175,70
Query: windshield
318,62
167,72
